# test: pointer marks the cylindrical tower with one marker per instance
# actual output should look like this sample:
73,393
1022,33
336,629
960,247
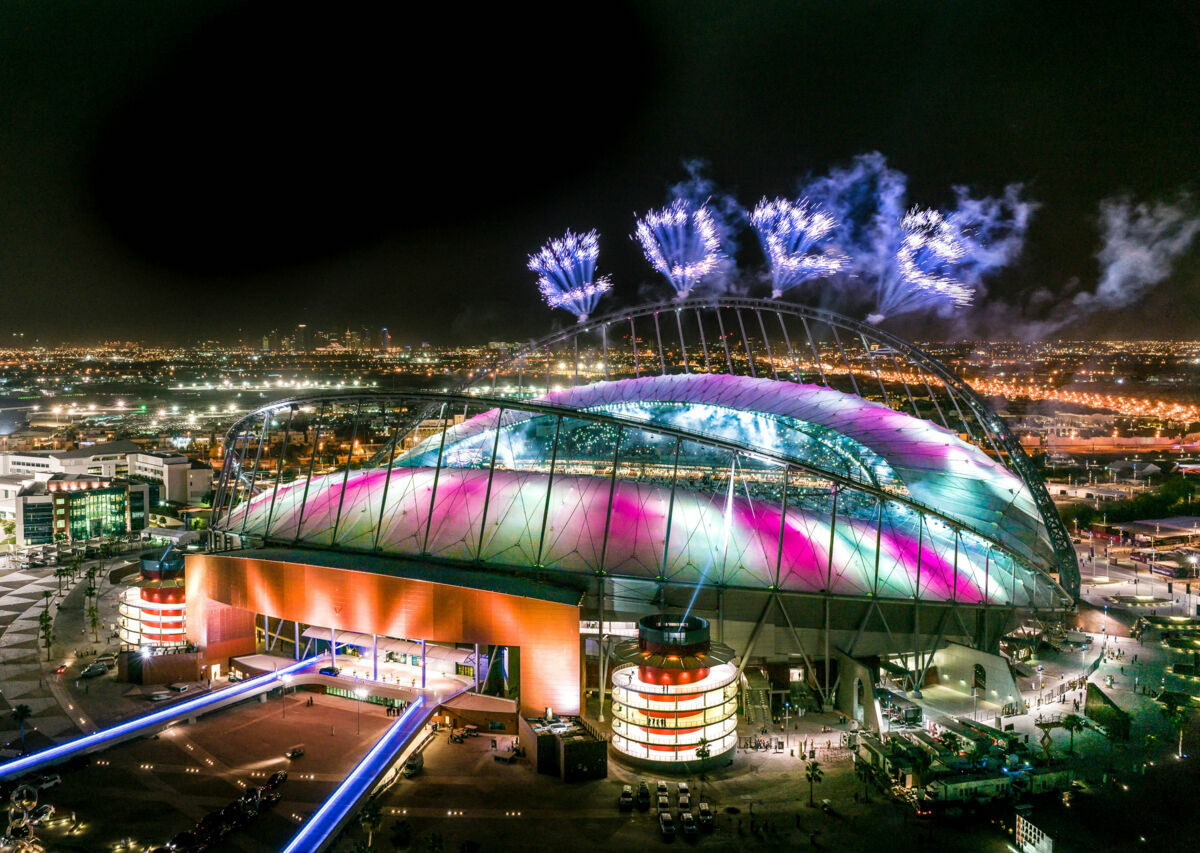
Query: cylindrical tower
673,688
152,612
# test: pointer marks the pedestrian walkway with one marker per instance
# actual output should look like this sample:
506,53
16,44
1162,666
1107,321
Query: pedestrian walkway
23,679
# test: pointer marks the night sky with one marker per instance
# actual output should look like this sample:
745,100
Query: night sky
172,172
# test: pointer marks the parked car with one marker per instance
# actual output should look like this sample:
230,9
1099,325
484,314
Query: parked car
159,696
664,803
643,796
413,766
44,783
666,825
685,803
625,803
688,823
295,752
683,787
662,788
94,670
329,670
277,779
705,815
179,687
109,661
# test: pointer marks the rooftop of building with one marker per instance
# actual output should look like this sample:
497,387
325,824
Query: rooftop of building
122,446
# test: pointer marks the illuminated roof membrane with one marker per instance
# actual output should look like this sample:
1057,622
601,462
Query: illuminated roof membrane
723,524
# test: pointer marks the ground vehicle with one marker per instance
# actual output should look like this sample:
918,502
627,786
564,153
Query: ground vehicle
295,752
234,676
685,802
413,766
625,803
666,825
688,824
277,779
643,796
179,687
329,670
94,670
41,814
267,799
662,788
61,668
45,782
664,803
109,661
682,787
705,816
159,696
827,806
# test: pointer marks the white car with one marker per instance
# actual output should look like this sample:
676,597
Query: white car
47,782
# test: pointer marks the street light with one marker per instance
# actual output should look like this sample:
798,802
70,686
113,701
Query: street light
361,693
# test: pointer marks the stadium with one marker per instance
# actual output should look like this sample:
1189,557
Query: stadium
835,503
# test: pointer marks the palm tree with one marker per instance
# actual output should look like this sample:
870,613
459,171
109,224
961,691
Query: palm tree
21,713
862,770
46,629
370,818
94,621
60,575
1178,716
1073,723
813,774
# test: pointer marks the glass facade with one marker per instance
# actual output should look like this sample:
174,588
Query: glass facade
91,513
666,722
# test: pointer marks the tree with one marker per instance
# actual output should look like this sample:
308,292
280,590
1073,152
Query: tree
1073,723
60,574
370,818
21,713
46,629
862,771
434,844
703,752
814,774
94,620
402,835
1178,717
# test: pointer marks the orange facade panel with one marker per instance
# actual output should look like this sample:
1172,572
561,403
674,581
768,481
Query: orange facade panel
547,632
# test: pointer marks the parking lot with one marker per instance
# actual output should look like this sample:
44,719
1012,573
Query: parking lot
149,790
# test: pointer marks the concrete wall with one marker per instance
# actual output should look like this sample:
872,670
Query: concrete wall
955,666
852,672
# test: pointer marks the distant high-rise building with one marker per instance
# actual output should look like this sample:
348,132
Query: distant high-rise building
303,344
385,340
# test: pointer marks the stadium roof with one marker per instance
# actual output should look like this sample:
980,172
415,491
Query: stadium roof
505,505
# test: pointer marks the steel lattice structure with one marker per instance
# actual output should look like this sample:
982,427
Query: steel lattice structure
830,470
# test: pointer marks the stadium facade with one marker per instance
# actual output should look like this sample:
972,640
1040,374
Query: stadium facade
829,497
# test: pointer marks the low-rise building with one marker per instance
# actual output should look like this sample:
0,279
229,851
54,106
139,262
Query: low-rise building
181,480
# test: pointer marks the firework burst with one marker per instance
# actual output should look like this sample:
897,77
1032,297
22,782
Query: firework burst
681,241
566,270
795,239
